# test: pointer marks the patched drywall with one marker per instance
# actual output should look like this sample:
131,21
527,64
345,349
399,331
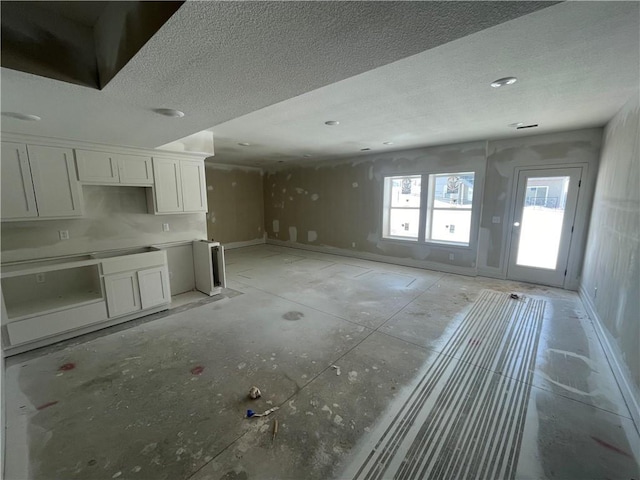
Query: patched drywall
339,204
611,279
236,208
115,217
504,157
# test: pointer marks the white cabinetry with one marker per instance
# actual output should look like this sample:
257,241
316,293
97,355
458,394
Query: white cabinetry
179,186
136,282
107,168
123,293
39,182
18,197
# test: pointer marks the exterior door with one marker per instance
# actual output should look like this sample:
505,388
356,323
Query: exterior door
542,228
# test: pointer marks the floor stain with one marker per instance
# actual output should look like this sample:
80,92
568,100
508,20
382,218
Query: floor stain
293,315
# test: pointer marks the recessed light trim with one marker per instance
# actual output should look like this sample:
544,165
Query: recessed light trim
244,144
501,82
516,125
332,122
169,112
22,116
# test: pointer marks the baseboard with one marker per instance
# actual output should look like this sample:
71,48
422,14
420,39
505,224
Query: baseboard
405,262
246,243
612,352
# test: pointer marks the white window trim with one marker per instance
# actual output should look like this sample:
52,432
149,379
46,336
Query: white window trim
425,200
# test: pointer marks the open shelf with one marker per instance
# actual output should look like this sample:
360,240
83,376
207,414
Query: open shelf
34,294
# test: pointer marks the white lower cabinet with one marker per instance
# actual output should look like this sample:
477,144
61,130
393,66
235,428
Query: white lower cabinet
142,287
123,293
154,287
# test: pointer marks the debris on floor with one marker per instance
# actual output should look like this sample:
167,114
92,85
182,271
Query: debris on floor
275,430
251,413
515,296
254,392
337,369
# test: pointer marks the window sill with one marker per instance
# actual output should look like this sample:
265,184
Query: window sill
408,242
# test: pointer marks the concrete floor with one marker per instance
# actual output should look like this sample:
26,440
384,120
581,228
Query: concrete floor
440,376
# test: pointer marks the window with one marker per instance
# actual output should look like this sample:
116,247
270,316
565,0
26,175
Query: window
442,214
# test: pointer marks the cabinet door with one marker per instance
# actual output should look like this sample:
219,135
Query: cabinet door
167,185
55,182
194,190
123,294
154,287
135,170
97,167
18,197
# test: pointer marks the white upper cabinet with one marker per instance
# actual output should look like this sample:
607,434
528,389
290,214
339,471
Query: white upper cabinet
18,196
106,168
194,189
179,186
39,182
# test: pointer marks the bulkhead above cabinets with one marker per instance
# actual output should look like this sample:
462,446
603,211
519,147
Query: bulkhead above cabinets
42,178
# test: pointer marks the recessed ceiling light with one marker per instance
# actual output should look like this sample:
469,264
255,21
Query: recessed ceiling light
169,112
364,149
515,125
244,144
501,82
387,143
332,122
21,116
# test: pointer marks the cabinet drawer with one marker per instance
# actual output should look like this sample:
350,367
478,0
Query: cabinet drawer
133,262
36,328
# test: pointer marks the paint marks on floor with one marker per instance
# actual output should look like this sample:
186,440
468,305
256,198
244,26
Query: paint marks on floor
67,366
293,316
47,405
197,370
464,420
608,446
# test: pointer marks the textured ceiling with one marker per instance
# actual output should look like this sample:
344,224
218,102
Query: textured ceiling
217,61
414,73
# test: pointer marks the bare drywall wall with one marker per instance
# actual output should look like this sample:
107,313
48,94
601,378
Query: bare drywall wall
339,204
611,279
115,217
503,158
236,208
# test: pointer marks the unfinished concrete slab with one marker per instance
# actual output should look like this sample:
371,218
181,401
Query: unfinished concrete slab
508,388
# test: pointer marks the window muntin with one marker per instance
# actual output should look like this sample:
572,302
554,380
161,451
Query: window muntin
443,215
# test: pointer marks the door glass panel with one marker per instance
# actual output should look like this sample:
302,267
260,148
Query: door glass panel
541,223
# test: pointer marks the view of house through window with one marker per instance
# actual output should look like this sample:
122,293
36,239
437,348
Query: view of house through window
443,214
449,208
402,207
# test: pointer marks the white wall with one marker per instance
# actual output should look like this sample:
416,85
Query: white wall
611,281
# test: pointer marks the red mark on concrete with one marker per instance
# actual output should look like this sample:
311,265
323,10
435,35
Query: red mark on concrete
610,447
67,366
197,370
47,405
474,342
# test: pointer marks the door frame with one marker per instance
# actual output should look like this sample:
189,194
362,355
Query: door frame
581,219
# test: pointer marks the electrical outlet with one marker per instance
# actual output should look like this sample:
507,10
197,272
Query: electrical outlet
353,244
451,256
165,227
64,234
39,277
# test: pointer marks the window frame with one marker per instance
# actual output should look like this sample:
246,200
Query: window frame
425,209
